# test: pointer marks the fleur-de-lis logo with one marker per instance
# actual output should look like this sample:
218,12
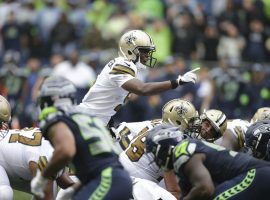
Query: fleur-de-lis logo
130,38
181,110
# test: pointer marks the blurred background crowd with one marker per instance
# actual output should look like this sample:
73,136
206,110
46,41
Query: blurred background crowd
228,39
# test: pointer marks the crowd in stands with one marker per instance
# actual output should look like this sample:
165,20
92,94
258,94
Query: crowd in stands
228,39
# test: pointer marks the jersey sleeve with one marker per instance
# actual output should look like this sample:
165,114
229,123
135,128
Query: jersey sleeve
122,72
182,153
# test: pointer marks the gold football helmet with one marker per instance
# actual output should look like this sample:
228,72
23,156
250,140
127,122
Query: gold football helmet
179,112
5,110
261,114
133,43
218,120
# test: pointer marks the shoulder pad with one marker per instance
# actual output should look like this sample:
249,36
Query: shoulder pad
182,153
122,69
122,66
48,116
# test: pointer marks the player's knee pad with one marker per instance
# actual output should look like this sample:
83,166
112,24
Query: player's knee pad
6,192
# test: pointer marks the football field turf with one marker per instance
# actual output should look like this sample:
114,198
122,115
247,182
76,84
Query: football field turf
21,195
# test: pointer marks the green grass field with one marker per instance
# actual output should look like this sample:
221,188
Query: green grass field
21,195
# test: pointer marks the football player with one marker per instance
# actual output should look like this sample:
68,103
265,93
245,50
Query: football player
82,139
123,75
217,129
206,170
22,152
177,112
257,138
261,114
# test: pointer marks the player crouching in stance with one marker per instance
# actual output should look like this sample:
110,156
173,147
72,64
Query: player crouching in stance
148,177
82,139
22,153
206,170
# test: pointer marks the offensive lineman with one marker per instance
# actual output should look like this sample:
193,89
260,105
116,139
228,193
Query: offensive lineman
216,128
22,152
123,75
208,171
140,165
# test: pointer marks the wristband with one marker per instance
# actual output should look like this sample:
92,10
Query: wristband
174,84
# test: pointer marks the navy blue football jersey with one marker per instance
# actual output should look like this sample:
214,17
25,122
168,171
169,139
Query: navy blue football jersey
95,149
222,164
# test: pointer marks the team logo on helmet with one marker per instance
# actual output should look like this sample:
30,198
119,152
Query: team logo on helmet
181,110
130,39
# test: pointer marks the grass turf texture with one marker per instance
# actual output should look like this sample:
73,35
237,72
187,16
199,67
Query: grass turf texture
17,195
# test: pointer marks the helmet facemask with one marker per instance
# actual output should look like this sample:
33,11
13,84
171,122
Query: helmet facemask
161,141
259,147
57,91
48,101
194,128
146,57
137,47
163,157
257,138
218,122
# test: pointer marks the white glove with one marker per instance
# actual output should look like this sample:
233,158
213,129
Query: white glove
38,185
189,76
65,194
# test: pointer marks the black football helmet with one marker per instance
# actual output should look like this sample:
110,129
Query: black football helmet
161,141
257,137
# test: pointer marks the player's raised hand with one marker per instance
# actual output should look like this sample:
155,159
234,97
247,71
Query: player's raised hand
189,76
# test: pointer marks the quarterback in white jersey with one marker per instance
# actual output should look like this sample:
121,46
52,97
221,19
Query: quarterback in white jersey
123,75
141,165
106,96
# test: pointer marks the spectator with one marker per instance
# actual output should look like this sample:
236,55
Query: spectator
63,43
231,45
184,34
11,33
79,73
256,38
210,42
204,91
14,80
47,18
161,34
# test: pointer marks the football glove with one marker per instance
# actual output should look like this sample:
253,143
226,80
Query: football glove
38,185
189,76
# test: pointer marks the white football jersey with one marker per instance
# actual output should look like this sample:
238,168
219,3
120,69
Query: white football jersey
107,96
17,149
238,127
133,158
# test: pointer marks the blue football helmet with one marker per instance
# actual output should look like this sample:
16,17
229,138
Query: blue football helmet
257,137
161,141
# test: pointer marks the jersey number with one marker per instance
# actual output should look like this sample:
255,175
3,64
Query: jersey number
136,148
35,141
94,132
